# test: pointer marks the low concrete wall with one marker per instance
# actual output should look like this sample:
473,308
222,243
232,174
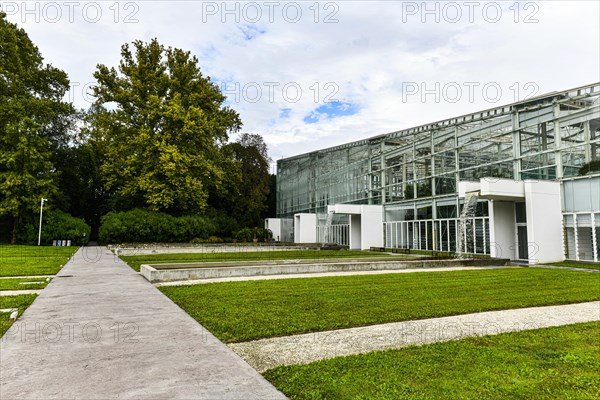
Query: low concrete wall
181,272
224,248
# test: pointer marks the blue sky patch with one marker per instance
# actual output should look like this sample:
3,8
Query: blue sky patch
251,31
331,110
285,113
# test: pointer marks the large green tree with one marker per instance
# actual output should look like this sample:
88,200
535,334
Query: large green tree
163,127
33,122
250,151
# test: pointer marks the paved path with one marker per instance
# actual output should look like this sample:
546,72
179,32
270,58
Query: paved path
101,331
302,349
321,274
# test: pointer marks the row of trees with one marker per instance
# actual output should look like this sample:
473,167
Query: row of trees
158,137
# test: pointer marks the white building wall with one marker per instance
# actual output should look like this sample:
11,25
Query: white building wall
282,228
355,232
544,221
305,228
371,226
502,229
274,225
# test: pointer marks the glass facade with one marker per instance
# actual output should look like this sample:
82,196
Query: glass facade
414,172
581,218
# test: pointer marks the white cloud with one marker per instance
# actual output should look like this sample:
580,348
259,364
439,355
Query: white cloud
367,58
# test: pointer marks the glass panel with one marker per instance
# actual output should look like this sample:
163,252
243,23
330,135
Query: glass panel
570,243
445,162
422,145
482,209
538,160
584,242
573,158
422,168
568,220
546,173
424,188
521,212
581,195
595,128
537,138
399,213
522,242
584,220
571,134
500,170
424,212
445,184
448,211
539,166
445,142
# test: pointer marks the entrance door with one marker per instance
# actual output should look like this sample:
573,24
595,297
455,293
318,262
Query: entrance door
521,220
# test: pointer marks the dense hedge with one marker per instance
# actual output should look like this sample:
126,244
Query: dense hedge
57,225
141,226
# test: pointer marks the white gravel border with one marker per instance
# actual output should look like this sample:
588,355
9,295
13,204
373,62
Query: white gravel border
324,274
18,292
265,354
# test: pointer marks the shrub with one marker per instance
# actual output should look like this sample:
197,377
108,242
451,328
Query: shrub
249,234
58,225
263,234
225,225
142,226
244,234
211,239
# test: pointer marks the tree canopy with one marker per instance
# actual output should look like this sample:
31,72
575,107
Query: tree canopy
157,138
250,151
33,122
163,125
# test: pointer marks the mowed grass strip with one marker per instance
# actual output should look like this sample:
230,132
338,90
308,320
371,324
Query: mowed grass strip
136,261
551,363
20,302
577,264
33,260
23,283
242,311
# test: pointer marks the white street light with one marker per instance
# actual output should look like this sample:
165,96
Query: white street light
41,210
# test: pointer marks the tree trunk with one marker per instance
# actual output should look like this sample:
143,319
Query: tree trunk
13,239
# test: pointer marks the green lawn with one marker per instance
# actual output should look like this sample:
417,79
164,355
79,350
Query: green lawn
21,302
33,260
241,311
136,261
552,363
22,284
577,264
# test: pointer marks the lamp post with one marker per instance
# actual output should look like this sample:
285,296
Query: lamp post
41,210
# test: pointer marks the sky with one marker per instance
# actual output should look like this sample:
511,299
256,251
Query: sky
307,75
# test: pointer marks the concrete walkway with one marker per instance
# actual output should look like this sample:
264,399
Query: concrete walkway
302,349
100,331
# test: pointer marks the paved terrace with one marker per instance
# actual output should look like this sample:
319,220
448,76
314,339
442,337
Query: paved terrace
101,331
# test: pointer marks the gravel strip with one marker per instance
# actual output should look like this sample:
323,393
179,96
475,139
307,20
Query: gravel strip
18,292
265,354
27,277
321,274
